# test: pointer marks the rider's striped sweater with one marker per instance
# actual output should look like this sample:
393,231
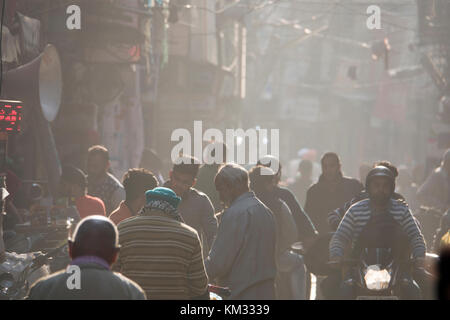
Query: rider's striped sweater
357,217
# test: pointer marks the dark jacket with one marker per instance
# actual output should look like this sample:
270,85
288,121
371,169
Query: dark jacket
305,227
243,254
97,283
321,199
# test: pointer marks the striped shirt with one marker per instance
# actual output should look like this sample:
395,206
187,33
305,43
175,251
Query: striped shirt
357,217
335,216
162,255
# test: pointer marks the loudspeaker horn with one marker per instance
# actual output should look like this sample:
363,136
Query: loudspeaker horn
39,81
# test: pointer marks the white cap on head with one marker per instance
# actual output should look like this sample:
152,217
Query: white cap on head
270,161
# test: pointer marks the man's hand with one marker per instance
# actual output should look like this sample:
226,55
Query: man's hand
336,259
335,262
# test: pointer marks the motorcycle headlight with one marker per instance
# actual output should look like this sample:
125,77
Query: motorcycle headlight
377,279
213,296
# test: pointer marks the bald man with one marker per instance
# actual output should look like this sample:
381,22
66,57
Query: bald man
93,249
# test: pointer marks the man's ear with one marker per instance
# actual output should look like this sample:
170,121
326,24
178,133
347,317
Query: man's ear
108,165
70,248
170,174
195,181
115,255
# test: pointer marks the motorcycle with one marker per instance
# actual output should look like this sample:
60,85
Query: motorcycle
375,274
19,271
218,293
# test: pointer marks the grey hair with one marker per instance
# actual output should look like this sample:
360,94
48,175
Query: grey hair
233,175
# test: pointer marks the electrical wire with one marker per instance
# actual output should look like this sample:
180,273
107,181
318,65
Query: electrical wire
353,3
345,13
350,11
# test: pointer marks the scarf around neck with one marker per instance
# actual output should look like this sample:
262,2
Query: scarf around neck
163,206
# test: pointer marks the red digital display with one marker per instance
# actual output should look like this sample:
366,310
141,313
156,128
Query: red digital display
10,116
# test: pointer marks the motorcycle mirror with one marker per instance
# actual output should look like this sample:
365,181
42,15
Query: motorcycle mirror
6,282
297,247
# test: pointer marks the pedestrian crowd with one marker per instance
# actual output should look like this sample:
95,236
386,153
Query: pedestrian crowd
245,230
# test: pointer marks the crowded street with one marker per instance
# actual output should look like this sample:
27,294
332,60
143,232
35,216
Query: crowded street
233,150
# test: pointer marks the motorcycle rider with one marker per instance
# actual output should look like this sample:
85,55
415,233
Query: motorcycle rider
335,216
424,279
379,222
332,282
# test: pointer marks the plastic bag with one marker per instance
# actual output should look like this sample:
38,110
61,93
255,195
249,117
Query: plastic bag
15,264
377,279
